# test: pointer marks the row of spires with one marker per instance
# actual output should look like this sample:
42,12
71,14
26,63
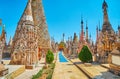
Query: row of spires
84,37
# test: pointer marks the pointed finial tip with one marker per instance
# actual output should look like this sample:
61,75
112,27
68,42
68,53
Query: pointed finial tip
86,25
118,27
81,19
104,1
0,21
97,27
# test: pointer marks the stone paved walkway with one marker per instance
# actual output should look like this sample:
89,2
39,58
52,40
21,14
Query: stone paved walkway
96,71
67,70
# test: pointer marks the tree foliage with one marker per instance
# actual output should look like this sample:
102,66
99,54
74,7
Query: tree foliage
49,57
85,55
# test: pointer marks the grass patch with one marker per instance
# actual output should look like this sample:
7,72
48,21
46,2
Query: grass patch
48,72
39,74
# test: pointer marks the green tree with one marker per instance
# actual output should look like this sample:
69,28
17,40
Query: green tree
85,55
49,57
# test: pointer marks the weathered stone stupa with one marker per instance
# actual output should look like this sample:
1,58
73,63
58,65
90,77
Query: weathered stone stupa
31,37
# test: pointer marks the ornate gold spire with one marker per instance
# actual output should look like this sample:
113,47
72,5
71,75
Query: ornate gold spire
82,31
104,7
106,24
97,33
86,32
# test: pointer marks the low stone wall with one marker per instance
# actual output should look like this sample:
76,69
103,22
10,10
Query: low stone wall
6,62
15,73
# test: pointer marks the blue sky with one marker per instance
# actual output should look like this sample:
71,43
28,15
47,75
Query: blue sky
62,16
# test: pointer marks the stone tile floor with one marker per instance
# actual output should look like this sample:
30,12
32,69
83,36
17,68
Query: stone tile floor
67,70
28,73
96,71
